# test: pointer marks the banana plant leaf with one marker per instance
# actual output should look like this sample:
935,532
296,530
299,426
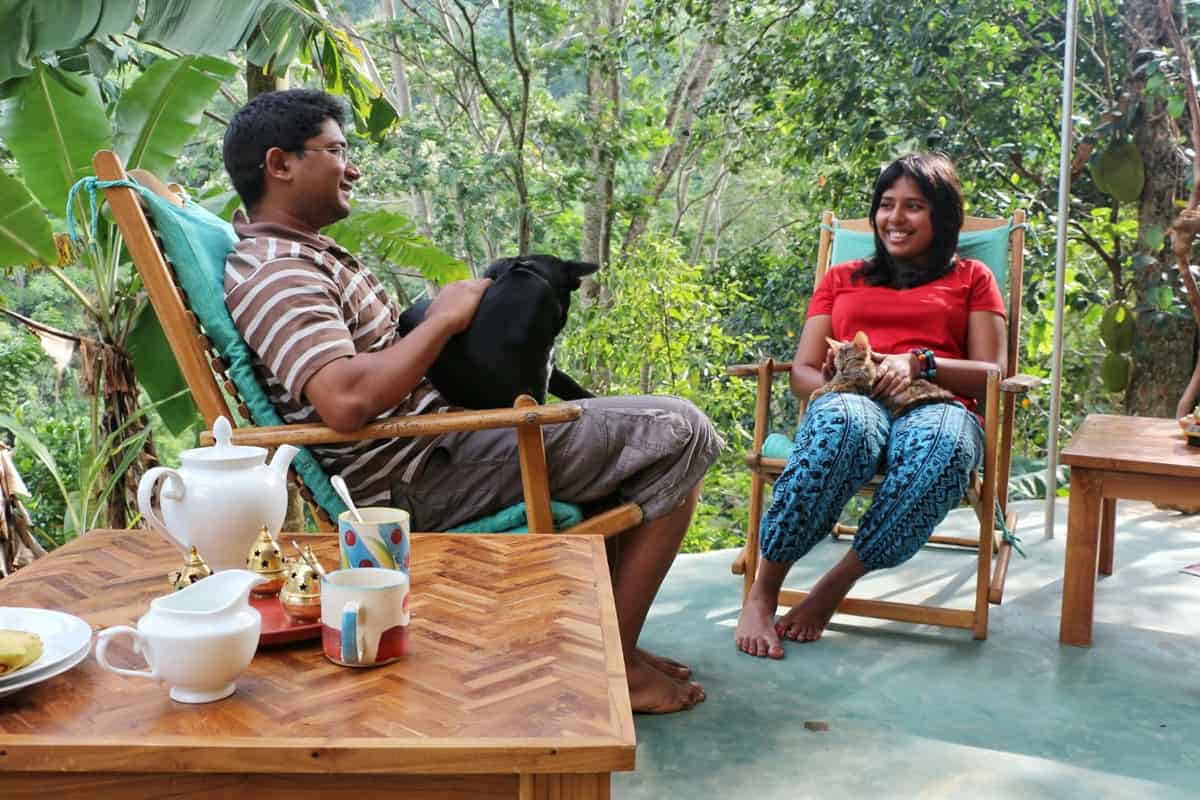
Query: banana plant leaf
158,373
25,234
213,27
390,236
53,122
161,111
34,27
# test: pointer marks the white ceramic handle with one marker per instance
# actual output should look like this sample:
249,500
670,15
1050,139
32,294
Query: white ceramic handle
172,491
102,640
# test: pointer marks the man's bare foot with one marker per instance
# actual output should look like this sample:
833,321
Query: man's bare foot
755,632
652,692
806,622
667,666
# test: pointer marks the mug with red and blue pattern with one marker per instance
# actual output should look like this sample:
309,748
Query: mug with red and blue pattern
379,540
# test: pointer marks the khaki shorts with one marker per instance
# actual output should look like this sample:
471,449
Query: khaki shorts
649,450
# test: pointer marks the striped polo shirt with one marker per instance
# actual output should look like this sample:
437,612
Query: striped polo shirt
301,301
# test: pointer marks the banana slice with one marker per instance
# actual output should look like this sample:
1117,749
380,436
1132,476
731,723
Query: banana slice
18,649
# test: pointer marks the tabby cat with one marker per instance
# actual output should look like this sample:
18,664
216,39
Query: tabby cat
855,373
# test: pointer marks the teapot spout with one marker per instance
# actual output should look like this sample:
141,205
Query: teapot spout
283,459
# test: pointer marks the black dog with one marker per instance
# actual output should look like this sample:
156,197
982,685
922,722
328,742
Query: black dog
508,350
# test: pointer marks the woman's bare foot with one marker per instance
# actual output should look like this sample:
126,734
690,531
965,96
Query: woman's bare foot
667,666
652,692
806,622
755,632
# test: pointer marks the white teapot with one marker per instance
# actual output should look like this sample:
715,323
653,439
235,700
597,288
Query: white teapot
220,497
196,640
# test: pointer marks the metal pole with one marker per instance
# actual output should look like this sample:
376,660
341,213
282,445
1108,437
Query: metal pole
1060,260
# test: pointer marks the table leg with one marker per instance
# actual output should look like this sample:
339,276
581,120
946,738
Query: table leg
1108,534
586,786
1079,580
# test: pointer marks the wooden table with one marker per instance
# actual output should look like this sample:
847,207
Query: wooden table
1111,457
514,687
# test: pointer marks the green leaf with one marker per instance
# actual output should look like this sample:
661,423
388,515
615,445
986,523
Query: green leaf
53,123
161,111
391,237
25,234
158,373
24,436
213,27
1154,237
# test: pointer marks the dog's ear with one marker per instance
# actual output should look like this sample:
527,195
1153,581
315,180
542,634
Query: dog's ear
575,270
499,267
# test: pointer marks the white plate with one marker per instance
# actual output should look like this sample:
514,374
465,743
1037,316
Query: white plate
62,637
48,672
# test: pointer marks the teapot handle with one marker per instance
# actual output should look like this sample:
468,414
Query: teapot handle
102,641
172,491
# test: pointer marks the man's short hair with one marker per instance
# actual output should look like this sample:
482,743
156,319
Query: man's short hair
286,120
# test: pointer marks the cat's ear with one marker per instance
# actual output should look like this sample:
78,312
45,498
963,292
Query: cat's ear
834,343
861,341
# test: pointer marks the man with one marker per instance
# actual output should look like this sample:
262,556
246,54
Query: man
323,331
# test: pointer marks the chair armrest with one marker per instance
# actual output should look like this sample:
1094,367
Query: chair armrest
751,370
1020,384
417,425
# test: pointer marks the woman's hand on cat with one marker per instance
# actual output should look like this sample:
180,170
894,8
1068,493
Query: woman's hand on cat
894,373
828,369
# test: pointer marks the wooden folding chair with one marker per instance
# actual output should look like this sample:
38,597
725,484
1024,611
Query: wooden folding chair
199,362
844,240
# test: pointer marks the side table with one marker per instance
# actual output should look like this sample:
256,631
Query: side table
1111,457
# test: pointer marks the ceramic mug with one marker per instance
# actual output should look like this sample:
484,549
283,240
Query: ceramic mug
380,540
364,616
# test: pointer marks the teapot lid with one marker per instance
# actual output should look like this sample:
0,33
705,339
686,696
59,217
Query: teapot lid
224,452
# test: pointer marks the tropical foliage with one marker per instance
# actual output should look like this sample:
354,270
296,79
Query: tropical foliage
687,147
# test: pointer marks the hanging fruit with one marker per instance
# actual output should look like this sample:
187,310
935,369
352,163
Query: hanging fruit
1116,328
1120,172
1115,371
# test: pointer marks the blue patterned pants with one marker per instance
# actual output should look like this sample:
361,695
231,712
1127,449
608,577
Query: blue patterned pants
844,439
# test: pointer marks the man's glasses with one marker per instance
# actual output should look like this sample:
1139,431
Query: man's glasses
340,151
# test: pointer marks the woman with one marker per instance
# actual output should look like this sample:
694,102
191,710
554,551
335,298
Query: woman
928,313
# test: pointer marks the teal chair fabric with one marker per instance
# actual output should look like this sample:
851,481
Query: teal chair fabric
197,242
990,247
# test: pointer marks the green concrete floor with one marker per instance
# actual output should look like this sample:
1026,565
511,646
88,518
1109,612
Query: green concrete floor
918,711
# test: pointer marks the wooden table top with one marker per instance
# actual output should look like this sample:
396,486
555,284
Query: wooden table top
514,666
1147,445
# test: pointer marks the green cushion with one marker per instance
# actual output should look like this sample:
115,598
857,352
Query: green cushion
197,243
512,520
990,247
777,445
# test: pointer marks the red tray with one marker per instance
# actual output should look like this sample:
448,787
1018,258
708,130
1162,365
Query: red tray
278,627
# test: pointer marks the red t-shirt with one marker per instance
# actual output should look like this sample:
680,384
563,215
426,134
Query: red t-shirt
932,315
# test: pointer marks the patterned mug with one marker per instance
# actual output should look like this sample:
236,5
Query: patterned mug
380,540
364,616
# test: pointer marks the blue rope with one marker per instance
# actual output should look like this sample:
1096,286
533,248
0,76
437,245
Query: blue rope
92,186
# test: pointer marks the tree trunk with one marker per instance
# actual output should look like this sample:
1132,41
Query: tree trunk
258,82
604,114
110,371
681,113
1162,355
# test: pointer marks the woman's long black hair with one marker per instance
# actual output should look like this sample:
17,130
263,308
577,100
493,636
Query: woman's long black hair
935,176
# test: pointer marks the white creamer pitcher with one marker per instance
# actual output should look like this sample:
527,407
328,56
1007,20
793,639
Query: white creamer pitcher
220,497
197,640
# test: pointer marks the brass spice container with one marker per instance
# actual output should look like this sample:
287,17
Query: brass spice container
193,570
266,559
301,592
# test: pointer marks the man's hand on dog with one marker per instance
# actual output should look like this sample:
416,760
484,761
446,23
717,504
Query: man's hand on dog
457,303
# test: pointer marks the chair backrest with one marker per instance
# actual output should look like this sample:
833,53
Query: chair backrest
997,242
183,279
